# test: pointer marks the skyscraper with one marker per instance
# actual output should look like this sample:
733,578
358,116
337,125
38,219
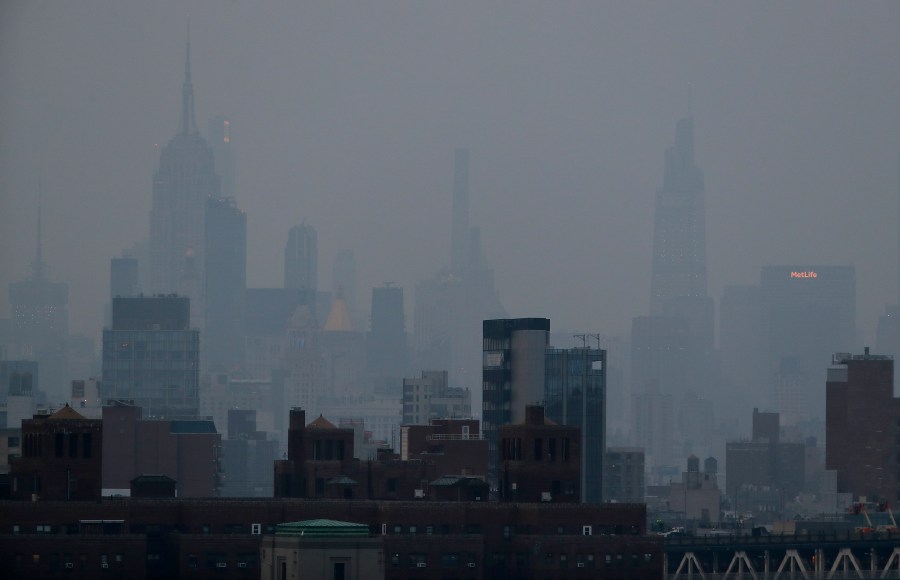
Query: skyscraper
223,152
512,374
301,263
185,180
807,312
151,356
386,343
679,230
226,284
40,323
575,395
450,307
343,278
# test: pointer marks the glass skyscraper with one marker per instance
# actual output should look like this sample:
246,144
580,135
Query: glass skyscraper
575,395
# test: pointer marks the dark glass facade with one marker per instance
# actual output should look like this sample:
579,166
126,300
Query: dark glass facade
575,395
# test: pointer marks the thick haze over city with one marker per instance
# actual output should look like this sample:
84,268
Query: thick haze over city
346,116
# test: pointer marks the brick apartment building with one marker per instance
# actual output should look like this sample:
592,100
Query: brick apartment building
61,458
862,426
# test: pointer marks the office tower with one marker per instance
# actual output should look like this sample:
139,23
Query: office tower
513,374
304,377
301,264
807,313
151,356
223,153
344,351
343,278
672,349
575,395
623,475
765,462
741,348
450,307
429,397
861,421
386,343
40,323
186,178
226,283
652,428
123,277
679,232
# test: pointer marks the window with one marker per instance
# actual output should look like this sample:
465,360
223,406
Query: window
59,444
73,444
538,449
565,449
450,560
551,449
86,446
338,572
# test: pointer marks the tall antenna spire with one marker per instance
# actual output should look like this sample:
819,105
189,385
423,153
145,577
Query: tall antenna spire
188,122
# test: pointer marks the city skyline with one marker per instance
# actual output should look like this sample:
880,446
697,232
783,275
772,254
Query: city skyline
783,162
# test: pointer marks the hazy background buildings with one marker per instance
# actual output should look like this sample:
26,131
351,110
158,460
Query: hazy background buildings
656,174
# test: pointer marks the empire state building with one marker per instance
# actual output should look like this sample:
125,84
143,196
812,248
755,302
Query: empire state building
185,180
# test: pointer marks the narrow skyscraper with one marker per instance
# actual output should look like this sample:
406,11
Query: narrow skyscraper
301,263
185,180
40,323
679,232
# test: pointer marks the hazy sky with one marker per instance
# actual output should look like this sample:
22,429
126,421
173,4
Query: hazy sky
346,114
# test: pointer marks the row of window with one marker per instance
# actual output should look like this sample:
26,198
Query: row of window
34,445
511,449
522,560
69,560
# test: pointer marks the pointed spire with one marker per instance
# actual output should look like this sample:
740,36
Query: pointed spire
188,122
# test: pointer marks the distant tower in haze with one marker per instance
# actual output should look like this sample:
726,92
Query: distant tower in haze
343,278
301,263
386,343
185,180
40,323
223,151
226,284
679,230
123,277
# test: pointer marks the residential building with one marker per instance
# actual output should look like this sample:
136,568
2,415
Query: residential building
60,458
430,397
861,423
623,475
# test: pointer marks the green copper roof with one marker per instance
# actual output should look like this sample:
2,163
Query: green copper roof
322,529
